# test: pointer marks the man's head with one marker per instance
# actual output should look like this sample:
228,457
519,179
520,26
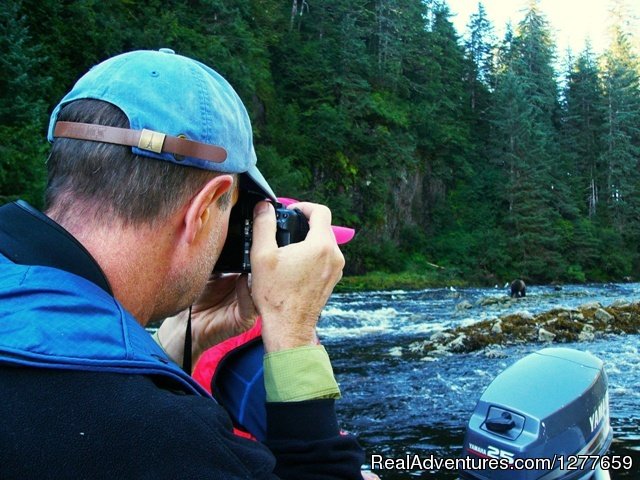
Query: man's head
104,182
146,140
174,109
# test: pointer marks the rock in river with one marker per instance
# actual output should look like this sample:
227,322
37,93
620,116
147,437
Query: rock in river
583,324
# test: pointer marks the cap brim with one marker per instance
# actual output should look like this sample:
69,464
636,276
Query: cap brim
260,182
343,234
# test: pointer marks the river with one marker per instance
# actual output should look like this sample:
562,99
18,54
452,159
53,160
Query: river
398,405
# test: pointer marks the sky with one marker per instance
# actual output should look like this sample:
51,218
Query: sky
571,21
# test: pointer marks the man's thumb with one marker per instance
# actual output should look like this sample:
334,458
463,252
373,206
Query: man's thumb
264,228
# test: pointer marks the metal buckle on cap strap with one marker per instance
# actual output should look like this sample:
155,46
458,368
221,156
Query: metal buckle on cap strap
150,140
145,139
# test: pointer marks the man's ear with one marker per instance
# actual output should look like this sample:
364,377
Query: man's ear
198,212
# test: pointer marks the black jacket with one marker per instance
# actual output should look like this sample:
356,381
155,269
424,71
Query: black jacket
97,419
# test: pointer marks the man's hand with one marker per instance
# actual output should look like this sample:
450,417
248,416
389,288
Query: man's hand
289,288
224,309
291,285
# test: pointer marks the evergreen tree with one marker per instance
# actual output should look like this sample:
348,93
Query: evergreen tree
525,117
479,75
582,126
443,126
437,151
621,136
583,120
464,216
22,110
479,47
535,51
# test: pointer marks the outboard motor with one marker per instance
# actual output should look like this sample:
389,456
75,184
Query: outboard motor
541,419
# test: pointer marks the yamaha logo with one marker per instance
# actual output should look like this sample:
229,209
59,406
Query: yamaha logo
601,411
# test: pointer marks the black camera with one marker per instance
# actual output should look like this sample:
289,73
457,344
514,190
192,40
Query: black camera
292,228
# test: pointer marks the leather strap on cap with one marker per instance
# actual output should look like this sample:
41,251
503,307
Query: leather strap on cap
144,139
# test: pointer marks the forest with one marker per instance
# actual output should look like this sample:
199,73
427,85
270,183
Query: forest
451,153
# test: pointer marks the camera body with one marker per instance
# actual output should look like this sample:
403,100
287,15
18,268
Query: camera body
292,227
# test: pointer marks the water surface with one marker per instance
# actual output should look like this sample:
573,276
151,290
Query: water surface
399,405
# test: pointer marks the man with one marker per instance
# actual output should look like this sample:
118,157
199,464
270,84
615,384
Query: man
150,151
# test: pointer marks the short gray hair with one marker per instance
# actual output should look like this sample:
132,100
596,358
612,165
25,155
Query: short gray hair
110,180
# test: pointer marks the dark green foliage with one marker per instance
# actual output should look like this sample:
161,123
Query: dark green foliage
22,109
451,157
525,116
582,142
621,135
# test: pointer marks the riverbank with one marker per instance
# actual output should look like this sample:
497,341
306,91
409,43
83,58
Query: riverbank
379,281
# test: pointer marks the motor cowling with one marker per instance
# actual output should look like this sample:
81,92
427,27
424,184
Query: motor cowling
544,412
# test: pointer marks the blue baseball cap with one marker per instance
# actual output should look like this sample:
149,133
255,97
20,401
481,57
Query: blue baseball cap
179,110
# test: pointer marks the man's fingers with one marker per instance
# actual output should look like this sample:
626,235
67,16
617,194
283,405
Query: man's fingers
320,231
310,268
319,218
264,228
